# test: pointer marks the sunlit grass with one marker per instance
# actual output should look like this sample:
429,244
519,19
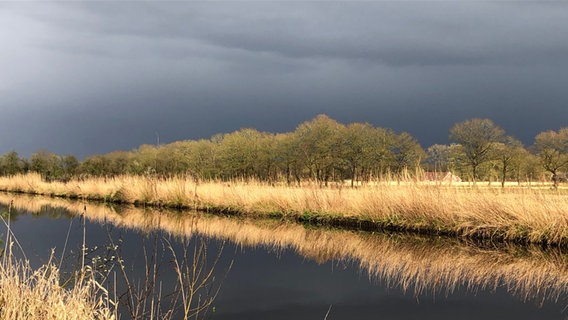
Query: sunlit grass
38,294
31,294
528,214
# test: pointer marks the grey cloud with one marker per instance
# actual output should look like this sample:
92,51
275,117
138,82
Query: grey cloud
393,34
92,77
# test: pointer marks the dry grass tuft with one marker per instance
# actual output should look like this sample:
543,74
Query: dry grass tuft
37,294
28,294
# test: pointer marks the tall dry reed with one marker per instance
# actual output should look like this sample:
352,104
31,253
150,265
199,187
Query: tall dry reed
38,294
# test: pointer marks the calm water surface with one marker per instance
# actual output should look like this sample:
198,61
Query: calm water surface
275,270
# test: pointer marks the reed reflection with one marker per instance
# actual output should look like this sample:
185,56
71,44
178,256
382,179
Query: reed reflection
418,264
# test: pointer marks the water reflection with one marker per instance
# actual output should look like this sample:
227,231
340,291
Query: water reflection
173,277
420,265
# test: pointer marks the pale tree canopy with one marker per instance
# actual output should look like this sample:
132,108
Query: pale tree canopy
478,138
552,148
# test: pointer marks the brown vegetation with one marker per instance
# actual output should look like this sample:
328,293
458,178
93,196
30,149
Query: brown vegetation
28,294
36,294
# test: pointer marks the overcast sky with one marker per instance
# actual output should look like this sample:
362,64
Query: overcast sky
93,77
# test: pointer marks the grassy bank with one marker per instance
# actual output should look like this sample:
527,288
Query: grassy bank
514,214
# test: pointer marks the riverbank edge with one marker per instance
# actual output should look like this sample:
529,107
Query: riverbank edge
319,219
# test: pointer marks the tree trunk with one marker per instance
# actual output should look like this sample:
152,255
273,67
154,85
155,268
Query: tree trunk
504,176
555,180
353,176
474,169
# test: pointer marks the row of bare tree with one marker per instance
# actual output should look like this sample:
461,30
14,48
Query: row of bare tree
321,150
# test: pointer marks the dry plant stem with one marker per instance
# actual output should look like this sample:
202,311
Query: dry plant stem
151,278
193,288
84,243
196,278
129,295
65,243
328,311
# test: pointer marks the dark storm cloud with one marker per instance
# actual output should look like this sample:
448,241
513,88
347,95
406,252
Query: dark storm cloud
97,76
417,33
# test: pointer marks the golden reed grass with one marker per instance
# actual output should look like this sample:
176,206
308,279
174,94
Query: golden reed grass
37,294
28,294
411,262
519,214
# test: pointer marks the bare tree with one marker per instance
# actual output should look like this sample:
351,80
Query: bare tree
552,148
507,155
477,138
